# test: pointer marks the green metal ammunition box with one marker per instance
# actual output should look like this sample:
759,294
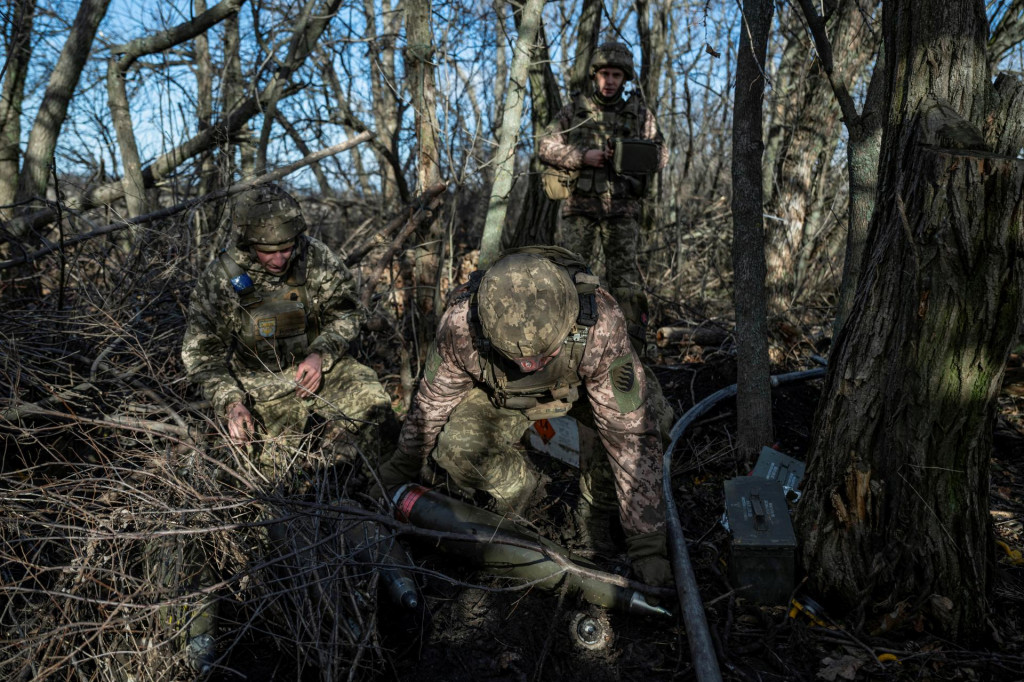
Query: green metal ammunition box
763,548
776,466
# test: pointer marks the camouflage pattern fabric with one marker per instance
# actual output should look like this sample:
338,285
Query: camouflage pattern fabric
618,239
557,147
630,440
350,392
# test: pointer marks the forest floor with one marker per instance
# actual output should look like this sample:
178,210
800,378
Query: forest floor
471,632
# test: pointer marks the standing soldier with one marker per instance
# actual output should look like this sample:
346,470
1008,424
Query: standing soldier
523,341
611,144
269,325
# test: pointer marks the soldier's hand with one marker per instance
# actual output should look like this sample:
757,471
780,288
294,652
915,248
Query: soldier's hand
309,375
595,158
240,423
653,570
648,555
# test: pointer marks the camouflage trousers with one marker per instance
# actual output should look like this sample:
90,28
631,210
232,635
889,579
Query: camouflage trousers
477,449
618,239
351,402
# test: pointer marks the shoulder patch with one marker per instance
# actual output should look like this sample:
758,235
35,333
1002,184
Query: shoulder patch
433,362
625,386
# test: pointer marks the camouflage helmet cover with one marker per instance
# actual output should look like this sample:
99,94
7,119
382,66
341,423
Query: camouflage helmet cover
613,54
527,305
268,218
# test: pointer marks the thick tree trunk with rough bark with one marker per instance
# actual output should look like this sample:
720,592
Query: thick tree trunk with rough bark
753,396
894,517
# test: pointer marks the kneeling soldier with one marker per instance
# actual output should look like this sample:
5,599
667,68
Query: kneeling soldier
517,345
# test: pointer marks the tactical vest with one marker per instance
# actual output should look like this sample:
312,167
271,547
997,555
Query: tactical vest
276,326
550,391
590,128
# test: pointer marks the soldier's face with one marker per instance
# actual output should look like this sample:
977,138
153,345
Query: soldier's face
275,262
536,362
609,80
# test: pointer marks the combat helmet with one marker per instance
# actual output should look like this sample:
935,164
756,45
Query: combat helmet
268,218
613,54
527,305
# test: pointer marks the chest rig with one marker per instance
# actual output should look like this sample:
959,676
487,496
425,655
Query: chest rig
592,126
550,391
275,326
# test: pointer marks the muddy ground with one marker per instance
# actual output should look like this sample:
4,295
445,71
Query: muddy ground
470,632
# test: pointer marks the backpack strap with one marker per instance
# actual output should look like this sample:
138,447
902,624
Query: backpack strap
240,280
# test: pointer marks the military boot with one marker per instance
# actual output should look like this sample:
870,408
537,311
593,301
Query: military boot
595,525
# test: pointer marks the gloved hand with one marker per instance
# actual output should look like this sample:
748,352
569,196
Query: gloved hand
398,469
649,557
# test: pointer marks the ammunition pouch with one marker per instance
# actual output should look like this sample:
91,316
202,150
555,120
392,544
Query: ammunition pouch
558,184
276,335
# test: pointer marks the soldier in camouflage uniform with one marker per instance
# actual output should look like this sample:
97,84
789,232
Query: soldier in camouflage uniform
523,342
604,204
269,325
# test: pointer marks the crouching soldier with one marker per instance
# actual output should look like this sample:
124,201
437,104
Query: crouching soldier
523,342
269,325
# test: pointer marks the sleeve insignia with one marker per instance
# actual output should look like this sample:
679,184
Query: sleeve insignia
625,386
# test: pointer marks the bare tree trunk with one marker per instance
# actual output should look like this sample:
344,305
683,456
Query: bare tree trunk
232,96
419,55
204,118
863,146
500,63
19,54
504,159
753,396
300,42
537,221
385,105
42,140
117,68
804,135
894,517
587,32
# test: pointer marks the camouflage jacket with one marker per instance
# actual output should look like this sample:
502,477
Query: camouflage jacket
566,140
631,438
216,319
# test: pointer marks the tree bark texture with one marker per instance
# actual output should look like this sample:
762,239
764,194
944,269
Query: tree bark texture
419,55
537,221
12,95
753,396
387,110
800,184
508,135
894,518
42,140
587,32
